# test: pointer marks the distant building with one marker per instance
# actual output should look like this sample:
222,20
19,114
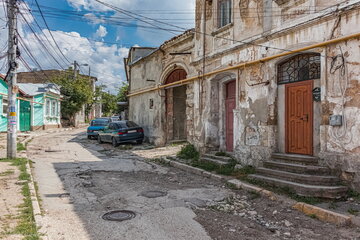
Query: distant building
45,76
38,106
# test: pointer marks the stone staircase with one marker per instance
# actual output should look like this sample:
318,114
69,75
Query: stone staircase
301,173
218,160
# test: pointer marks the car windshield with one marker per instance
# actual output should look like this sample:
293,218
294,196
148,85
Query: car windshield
128,124
99,122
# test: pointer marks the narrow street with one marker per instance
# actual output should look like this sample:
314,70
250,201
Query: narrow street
80,180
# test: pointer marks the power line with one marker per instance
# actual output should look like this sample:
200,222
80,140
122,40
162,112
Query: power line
39,40
47,26
49,41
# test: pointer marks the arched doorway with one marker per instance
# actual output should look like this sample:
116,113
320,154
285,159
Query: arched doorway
176,107
298,77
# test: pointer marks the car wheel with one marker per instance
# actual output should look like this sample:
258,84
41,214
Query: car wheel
114,142
139,141
89,137
99,140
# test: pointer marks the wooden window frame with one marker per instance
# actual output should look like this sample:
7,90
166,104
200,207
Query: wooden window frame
221,21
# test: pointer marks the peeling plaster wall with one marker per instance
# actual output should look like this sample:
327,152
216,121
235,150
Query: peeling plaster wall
150,72
258,128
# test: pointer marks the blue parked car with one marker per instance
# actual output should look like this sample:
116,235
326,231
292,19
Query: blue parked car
97,125
121,132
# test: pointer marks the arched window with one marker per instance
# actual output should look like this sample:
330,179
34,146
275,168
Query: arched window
301,67
176,75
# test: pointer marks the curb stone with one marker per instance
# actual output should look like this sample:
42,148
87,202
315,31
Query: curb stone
322,214
34,197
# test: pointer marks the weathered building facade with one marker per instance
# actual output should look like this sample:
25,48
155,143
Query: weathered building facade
163,114
280,76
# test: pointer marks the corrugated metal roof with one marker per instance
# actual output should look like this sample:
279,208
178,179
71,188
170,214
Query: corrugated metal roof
33,89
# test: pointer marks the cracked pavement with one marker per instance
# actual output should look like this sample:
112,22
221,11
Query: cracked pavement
80,180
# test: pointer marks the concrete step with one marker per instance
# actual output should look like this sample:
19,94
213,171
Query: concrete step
220,158
295,158
214,161
331,192
297,168
299,178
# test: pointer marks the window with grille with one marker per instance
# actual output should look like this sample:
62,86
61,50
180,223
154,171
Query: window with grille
300,68
224,12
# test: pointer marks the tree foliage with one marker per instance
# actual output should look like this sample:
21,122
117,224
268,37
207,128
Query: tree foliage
75,92
122,96
109,104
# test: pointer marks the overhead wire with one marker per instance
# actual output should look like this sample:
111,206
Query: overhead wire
44,47
47,26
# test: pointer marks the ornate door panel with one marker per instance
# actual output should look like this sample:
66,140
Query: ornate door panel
299,118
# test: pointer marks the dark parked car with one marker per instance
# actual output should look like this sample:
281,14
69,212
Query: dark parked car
96,125
121,132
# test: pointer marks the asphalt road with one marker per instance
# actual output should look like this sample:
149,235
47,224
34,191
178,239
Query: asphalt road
80,181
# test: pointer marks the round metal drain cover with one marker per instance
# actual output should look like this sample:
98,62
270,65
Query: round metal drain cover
153,194
119,215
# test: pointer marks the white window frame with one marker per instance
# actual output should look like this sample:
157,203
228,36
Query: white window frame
224,13
53,108
48,106
4,106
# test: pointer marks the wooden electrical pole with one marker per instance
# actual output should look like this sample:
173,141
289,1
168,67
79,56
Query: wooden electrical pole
11,80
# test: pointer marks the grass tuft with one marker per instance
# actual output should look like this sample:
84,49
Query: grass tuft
189,152
7,173
26,224
353,211
20,147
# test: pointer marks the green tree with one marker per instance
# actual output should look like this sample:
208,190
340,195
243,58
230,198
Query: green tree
76,93
122,96
109,104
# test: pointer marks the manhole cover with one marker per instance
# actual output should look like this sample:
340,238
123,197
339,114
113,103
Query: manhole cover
153,194
120,215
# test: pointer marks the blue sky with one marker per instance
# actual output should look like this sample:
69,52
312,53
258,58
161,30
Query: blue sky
94,34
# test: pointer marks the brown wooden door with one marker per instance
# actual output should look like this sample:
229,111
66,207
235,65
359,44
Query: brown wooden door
299,118
176,107
230,106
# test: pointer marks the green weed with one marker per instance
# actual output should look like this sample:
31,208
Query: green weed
26,224
7,173
20,147
353,194
353,211
188,152
333,205
221,154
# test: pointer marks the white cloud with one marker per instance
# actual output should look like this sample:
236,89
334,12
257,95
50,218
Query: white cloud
93,18
101,32
175,12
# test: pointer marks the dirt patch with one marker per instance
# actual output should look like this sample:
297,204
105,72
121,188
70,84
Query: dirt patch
255,217
10,199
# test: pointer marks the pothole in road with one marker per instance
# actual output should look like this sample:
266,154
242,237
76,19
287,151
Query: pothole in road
119,215
153,194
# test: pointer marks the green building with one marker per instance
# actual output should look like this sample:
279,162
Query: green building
38,106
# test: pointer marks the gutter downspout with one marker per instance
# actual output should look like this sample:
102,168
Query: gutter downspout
191,79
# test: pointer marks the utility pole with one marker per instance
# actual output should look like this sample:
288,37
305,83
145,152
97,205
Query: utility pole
11,80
